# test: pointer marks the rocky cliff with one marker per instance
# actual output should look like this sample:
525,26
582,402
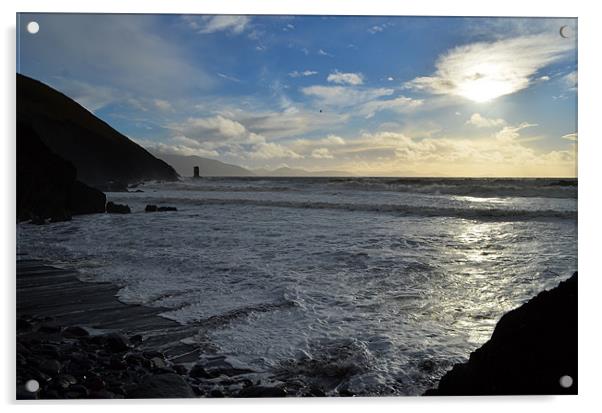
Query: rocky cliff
531,349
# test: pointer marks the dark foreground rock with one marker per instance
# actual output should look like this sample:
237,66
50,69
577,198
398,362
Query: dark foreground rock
155,208
47,188
70,363
113,208
162,386
531,348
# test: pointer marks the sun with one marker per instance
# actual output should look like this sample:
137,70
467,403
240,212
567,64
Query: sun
483,90
485,82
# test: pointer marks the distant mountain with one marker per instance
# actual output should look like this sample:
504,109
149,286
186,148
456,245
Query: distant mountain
100,154
298,172
207,167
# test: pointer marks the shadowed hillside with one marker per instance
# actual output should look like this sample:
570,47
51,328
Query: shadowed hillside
99,153
47,185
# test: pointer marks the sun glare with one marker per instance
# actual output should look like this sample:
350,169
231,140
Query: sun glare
484,90
485,82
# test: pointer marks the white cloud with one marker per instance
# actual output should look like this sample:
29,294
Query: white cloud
304,73
271,150
399,104
570,137
482,122
321,153
230,78
322,52
216,128
213,24
511,133
346,78
344,96
162,105
178,145
362,101
378,28
571,80
486,70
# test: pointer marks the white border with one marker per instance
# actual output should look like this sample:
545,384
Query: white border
589,187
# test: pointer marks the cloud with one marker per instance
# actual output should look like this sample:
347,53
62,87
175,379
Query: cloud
502,154
92,97
230,78
511,133
375,29
321,153
482,122
271,151
304,73
346,78
290,121
216,128
344,96
322,52
219,135
162,105
570,80
401,104
222,23
178,145
318,147
361,101
570,137
122,52
486,70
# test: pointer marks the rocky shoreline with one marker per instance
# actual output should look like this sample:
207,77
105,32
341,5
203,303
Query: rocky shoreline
532,351
88,345
67,362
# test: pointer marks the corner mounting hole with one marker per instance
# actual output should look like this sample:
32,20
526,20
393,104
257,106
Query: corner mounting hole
566,381
33,27
32,386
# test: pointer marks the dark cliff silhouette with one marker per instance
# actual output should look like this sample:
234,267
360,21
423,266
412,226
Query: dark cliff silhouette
101,155
531,348
47,185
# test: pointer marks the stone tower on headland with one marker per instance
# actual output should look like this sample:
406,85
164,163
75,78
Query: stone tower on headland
196,172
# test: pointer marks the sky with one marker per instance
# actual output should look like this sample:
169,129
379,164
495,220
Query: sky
373,96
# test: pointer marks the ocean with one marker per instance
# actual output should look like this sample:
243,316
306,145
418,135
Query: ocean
375,285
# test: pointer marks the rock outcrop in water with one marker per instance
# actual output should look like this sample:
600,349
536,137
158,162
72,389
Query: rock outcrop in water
531,348
103,157
113,208
46,184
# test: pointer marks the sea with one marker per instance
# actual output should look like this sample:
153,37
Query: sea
372,285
